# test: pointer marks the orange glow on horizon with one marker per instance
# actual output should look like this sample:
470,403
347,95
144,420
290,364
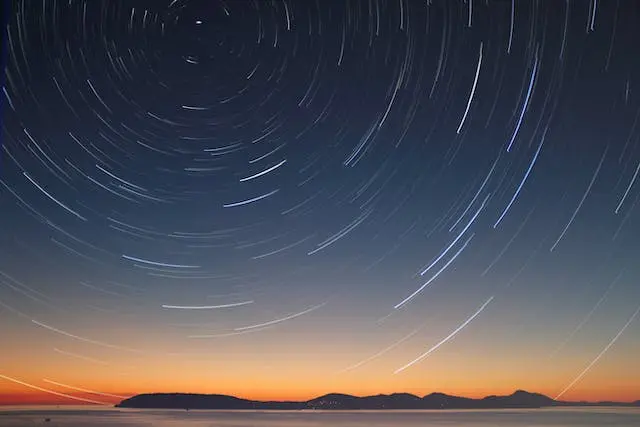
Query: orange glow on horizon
299,368
39,398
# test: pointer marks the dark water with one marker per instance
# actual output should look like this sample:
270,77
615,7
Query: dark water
600,417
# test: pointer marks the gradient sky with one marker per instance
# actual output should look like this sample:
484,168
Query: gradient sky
279,199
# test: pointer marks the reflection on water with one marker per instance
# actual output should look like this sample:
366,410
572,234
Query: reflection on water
83,417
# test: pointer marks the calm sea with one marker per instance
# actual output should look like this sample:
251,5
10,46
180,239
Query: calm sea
83,417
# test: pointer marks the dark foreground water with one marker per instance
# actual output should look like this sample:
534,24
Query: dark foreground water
600,417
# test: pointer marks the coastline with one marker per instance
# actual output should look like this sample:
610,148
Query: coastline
343,402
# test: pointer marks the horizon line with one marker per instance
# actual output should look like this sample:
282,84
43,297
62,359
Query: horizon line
263,400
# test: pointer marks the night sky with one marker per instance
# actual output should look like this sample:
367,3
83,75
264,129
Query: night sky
278,199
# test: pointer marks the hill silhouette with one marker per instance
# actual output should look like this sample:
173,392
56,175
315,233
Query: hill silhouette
337,401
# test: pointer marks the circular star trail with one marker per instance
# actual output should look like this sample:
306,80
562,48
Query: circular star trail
249,183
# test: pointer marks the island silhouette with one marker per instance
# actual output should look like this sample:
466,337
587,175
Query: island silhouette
337,401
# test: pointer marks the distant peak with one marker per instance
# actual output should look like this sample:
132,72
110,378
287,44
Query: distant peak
335,396
528,393
437,394
409,395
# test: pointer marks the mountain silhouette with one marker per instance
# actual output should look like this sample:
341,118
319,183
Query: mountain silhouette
338,401
380,401
445,401
519,399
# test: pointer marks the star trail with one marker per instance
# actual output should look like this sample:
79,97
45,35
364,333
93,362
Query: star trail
248,197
